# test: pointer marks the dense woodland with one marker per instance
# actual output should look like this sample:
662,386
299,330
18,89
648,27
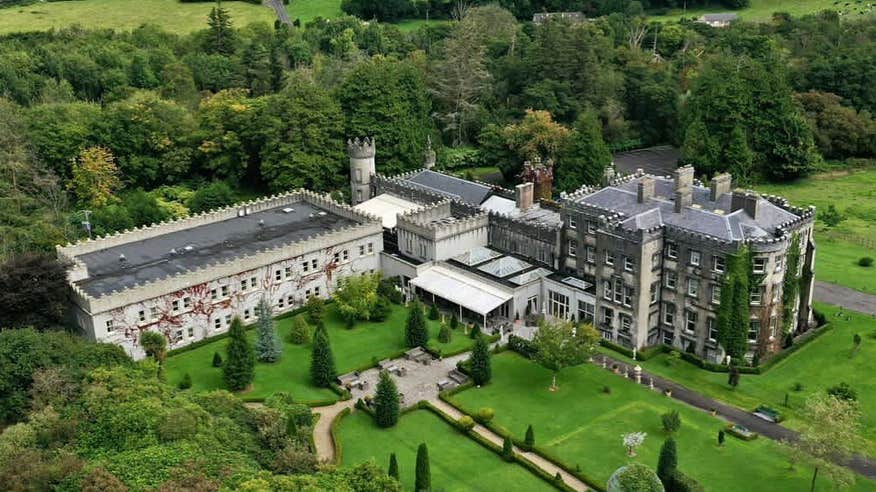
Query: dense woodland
137,127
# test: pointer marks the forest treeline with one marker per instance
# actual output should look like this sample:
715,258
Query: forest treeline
141,126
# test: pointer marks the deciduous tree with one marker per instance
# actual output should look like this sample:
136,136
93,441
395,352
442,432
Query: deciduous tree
96,177
561,344
830,434
33,291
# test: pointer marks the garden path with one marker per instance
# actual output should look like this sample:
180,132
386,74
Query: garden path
861,464
496,439
845,297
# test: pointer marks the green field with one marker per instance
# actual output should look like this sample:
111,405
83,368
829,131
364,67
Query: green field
853,193
820,364
456,461
171,15
582,425
353,348
762,10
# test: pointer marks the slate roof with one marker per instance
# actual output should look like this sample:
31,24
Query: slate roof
725,17
450,186
151,259
704,216
534,214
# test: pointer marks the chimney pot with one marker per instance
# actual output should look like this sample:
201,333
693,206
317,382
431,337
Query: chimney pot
684,177
720,185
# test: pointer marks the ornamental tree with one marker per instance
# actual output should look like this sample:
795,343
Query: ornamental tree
386,404
667,464
239,367
393,466
423,479
633,440
322,361
300,332
356,297
560,344
268,346
416,332
155,345
529,440
481,371
832,434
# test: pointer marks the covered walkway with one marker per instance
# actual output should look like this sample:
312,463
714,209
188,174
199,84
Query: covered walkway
463,290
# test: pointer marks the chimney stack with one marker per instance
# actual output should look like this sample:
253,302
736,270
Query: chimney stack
683,198
720,185
524,195
684,177
646,189
747,201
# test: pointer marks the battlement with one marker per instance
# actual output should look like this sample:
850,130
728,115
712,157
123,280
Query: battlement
361,148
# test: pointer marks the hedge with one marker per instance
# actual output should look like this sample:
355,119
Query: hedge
333,430
522,346
446,394
439,353
642,355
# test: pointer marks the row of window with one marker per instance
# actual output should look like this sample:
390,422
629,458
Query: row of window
618,292
691,319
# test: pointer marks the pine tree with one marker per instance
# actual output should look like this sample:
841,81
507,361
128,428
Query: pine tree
300,332
186,382
529,440
738,157
221,38
667,463
217,359
423,480
416,332
239,366
721,437
386,405
393,466
433,312
268,346
454,322
322,361
481,370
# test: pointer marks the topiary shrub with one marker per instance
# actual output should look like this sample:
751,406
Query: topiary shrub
507,450
465,423
865,262
433,312
444,334
217,359
186,382
485,415
454,322
671,421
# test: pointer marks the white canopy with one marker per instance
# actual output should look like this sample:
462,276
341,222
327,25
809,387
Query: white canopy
387,207
461,288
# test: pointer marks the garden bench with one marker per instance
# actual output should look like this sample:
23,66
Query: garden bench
414,353
385,364
457,376
444,384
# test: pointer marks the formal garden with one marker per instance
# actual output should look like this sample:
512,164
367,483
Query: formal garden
355,346
581,423
828,361
456,462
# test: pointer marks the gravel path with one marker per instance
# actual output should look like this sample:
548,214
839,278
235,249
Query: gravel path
847,298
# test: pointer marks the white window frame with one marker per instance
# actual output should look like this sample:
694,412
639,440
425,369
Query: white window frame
609,258
669,314
629,264
573,248
718,264
672,250
712,328
756,296
759,265
671,280
693,287
690,318
716,294
695,258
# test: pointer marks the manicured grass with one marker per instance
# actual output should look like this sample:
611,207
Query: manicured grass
456,461
853,193
582,426
762,10
171,15
822,363
353,349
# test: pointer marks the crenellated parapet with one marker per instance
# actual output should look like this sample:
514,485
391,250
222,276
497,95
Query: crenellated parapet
361,148
442,219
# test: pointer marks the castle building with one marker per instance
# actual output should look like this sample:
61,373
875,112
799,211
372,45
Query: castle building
641,257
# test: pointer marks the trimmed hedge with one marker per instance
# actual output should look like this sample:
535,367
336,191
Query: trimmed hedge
333,430
642,355
522,346
343,393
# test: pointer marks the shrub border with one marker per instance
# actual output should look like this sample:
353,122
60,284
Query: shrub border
333,431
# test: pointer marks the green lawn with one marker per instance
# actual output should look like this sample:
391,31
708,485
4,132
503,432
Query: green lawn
352,349
582,425
456,461
853,193
762,10
820,364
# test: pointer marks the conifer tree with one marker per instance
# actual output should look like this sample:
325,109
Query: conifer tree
239,366
444,334
221,38
667,463
300,332
386,403
393,466
434,314
257,69
322,361
584,155
508,449
268,347
217,359
416,332
529,440
481,370
423,479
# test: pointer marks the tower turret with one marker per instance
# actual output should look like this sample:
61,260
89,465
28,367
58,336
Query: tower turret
362,166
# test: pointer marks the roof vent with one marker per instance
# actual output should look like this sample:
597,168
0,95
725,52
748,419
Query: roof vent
322,214
189,248
261,222
288,210
173,251
122,257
